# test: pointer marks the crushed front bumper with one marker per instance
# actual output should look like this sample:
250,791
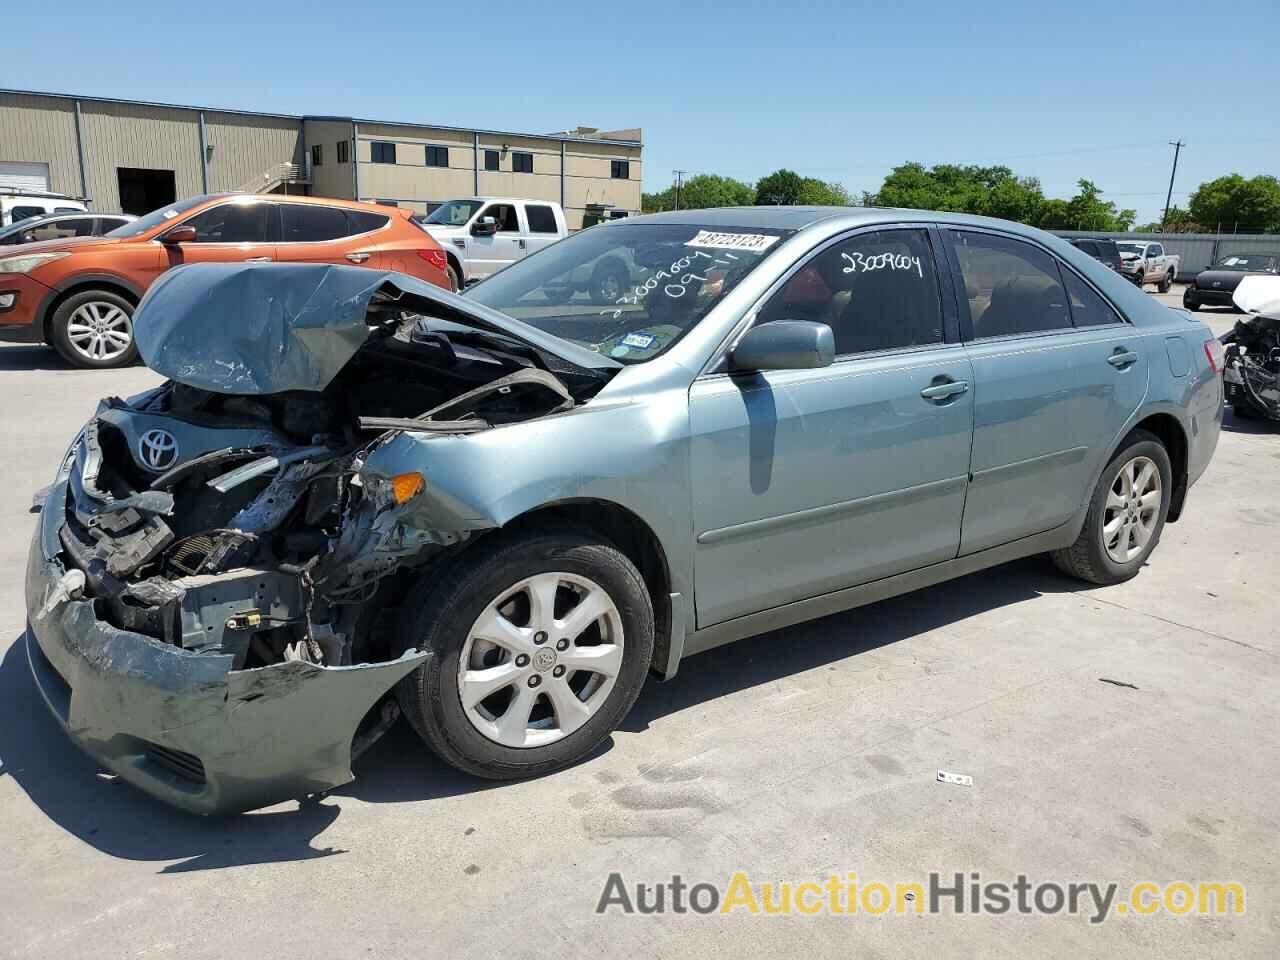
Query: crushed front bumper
184,726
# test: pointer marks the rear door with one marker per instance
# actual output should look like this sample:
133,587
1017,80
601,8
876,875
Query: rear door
315,233
808,481
1056,375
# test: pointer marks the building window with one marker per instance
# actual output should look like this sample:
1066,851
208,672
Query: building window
620,169
343,147
491,161
317,155
437,156
382,152
522,162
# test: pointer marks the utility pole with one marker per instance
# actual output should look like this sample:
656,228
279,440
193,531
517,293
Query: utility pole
1177,148
679,175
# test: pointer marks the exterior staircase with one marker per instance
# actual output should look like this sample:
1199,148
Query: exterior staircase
275,177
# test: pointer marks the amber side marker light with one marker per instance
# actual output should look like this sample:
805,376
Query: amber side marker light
406,486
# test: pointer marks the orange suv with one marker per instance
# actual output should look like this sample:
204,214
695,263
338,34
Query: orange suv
79,294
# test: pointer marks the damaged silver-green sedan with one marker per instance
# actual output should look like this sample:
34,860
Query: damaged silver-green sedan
357,496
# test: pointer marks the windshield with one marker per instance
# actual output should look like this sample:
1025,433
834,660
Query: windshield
455,213
136,228
1131,248
627,290
1248,262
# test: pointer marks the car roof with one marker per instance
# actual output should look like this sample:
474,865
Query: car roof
800,218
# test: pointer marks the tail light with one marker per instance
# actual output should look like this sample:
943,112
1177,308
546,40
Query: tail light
1216,352
435,257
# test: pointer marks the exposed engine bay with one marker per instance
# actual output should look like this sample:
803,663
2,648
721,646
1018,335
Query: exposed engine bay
1252,376
247,524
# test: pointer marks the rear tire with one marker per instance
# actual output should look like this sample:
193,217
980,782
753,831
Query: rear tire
93,329
608,282
1165,282
1122,526
491,591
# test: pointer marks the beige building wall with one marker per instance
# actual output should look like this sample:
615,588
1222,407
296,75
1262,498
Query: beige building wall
42,130
244,147
409,181
134,135
331,178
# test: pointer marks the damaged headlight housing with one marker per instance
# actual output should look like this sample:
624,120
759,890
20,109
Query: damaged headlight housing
25,263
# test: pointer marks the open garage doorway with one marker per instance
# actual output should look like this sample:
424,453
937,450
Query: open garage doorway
142,191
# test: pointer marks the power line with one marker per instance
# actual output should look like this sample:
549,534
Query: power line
679,175
1177,148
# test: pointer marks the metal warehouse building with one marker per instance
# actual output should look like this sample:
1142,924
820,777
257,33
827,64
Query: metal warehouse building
132,156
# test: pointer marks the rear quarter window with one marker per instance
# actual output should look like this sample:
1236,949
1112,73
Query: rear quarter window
361,222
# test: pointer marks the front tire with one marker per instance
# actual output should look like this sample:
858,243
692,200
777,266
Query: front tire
455,279
94,329
540,642
1126,514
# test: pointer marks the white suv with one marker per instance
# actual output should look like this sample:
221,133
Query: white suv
16,205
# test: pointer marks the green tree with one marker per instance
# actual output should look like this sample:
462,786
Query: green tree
1178,221
990,191
782,187
819,193
1234,203
701,192
1088,211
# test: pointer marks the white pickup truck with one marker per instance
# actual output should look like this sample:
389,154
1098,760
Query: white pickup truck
1145,261
481,235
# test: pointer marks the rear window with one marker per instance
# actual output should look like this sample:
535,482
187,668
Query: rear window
541,219
311,224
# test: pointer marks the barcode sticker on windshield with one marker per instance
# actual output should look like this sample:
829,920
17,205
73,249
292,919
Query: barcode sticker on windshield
750,242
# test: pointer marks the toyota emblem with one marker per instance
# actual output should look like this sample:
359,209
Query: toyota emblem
158,450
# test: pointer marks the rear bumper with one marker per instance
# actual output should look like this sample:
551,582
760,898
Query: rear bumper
21,322
184,726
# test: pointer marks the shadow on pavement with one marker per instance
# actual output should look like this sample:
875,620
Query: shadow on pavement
31,357
1233,423
123,822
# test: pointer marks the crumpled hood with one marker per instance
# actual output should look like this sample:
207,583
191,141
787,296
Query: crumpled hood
249,328
1219,279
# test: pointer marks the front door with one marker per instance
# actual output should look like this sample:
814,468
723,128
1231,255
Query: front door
488,255
241,230
1050,392
808,481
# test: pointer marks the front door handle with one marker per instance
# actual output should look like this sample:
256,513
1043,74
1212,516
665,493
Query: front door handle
944,389
257,260
1122,358
357,257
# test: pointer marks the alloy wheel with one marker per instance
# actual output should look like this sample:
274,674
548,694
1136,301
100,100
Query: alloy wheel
1132,510
540,660
99,330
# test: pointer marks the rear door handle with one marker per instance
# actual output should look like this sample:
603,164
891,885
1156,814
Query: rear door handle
357,257
945,389
521,242
1122,358
257,260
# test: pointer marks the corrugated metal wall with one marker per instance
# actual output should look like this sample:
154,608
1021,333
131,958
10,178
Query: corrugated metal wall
132,135
1197,250
244,147
41,130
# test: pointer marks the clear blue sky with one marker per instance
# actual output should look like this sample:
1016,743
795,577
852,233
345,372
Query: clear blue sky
841,91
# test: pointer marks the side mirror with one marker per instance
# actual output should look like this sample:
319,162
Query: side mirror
484,227
184,233
785,345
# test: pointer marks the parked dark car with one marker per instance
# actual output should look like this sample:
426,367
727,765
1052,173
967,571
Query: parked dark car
1214,287
62,226
1101,249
